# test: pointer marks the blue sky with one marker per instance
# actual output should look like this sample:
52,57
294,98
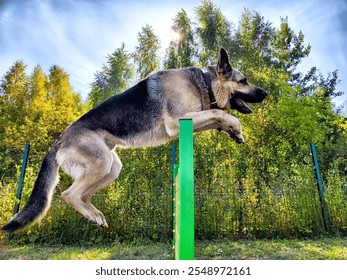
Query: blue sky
78,35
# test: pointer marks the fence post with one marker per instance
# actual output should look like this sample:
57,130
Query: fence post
184,195
320,188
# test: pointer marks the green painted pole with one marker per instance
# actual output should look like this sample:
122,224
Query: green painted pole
21,178
184,227
173,191
174,209
320,187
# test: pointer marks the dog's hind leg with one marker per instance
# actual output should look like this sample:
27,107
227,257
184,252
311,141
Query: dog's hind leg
73,197
92,167
116,167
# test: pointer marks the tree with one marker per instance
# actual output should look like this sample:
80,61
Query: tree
66,105
115,77
181,51
35,110
14,88
289,49
254,37
146,53
13,108
36,127
213,32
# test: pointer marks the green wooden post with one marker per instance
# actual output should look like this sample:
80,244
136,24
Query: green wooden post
184,214
174,170
320,187
21,178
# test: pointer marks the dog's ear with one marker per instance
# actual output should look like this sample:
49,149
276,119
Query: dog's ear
223,65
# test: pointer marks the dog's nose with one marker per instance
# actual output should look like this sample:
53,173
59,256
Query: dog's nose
261,93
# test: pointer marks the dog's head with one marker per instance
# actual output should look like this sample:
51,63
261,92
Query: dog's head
231,88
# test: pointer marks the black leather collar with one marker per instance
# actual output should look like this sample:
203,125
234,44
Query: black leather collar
213,102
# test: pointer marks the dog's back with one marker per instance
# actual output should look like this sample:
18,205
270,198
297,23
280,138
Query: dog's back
137,117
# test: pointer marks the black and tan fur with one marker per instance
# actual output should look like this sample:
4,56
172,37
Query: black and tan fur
145,115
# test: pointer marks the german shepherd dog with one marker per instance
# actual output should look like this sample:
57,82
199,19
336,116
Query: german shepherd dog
147,114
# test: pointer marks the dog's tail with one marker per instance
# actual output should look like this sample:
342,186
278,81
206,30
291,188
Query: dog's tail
41,196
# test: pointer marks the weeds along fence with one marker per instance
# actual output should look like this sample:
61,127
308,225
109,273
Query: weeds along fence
237,195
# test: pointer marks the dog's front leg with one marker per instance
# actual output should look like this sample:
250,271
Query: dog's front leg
211,119
217,119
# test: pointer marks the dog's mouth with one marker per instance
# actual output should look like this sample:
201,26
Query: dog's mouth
239,99
240,105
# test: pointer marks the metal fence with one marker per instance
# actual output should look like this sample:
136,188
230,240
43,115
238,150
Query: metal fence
138,204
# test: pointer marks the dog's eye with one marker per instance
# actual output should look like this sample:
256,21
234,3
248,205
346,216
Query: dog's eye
243,81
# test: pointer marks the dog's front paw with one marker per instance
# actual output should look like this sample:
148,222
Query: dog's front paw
237,137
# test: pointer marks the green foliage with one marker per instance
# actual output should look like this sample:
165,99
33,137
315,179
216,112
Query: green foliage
213,31
34,109
146,53
265,188
180,52
114,78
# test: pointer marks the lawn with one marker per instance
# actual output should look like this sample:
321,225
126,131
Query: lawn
283,249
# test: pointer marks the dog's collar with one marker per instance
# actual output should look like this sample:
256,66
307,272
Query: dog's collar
213,102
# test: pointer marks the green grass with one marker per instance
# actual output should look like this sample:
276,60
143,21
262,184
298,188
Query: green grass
294,249
321,249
